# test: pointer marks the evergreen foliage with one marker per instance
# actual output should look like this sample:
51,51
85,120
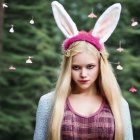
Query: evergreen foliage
21,89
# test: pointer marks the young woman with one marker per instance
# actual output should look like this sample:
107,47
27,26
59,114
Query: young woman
87,103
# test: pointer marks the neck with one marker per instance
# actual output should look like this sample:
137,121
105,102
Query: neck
85,92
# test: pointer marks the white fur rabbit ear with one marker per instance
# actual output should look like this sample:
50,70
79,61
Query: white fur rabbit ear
107,22
63,20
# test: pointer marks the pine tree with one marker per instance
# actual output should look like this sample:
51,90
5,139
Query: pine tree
21,88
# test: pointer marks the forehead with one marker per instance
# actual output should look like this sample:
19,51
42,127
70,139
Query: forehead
84,58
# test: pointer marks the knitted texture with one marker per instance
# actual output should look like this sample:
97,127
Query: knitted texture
43,116
96,126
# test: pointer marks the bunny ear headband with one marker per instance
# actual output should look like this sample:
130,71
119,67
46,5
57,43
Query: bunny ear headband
104,26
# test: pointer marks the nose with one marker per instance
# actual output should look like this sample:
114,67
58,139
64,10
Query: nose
83,73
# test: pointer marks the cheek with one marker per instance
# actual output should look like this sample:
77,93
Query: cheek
73,75
95,73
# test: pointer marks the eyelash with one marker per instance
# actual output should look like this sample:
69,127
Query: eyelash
75,67
88,67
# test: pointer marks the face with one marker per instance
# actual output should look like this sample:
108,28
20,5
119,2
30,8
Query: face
85,69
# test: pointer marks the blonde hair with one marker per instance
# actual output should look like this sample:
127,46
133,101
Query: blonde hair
106,84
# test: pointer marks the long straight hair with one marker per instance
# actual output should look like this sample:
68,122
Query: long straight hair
106,84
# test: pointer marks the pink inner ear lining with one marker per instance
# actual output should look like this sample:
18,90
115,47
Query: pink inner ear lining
83,36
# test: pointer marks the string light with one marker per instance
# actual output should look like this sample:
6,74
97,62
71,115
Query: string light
92,15
4,5
134,23
120,49
12,68
32,21
119,66
11,29
29,61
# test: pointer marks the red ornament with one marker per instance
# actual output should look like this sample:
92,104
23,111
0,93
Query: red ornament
133,89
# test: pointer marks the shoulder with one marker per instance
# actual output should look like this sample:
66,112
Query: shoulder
124,107
47,97
45,101
43,115
124,103
126,120
44,108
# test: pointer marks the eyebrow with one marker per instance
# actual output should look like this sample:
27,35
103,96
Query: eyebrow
74,64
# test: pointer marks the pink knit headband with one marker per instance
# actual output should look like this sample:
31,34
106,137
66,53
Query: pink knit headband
83,36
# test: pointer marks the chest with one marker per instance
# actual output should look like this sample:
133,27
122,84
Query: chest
85,107
97,126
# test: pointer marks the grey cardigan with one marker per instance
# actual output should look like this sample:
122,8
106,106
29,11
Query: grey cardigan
43,114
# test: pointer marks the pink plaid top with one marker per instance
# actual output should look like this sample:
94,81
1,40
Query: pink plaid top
98,126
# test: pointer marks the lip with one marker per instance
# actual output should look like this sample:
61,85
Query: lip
83,81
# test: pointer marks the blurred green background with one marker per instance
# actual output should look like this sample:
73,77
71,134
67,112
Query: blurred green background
21,89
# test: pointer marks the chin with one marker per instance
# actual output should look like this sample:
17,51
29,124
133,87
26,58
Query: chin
84,87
